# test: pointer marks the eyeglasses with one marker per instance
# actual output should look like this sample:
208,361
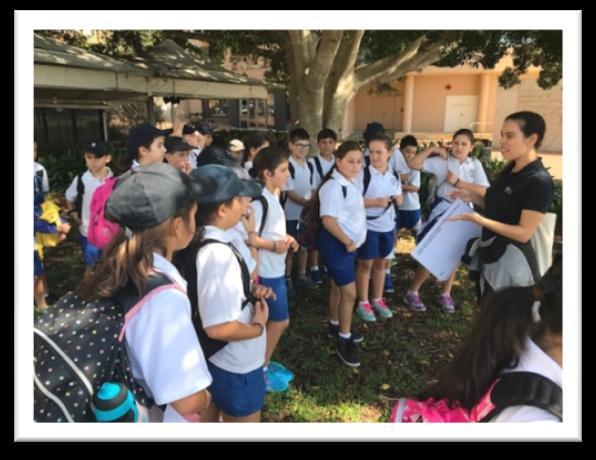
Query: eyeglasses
302,146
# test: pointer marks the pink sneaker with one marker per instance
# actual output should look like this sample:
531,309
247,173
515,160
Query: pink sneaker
366,312
414,302
447,303
382,309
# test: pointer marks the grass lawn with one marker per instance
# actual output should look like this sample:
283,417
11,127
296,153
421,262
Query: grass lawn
398,355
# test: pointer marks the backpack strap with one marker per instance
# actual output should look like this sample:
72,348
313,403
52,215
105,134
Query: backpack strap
526,389
367,160
292,170
312,171
211,346
319,166
366,182
265,205
80,192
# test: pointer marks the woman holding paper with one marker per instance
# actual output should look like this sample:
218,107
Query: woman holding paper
513,206
449,169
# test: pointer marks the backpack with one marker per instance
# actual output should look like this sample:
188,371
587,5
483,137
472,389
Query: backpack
78,346
211,346
510,389
366,183
310,218
79,199
100,230
261,199
319,167
283,197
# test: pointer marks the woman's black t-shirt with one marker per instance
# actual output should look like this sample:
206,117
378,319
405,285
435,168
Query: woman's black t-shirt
531,188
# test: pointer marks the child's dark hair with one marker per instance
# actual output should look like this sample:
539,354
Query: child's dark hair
464,132
312,219
498,338
254,140
298,134
268,159
326,133
203,217
386,140
530,123
408,141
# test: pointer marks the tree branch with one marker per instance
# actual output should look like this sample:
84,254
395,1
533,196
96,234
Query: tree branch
324,58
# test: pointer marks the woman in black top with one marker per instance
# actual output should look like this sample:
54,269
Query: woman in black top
514,206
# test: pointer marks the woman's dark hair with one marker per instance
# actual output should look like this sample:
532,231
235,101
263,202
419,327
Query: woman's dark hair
312,209
464,132
498,338
268,159
407,141
530,123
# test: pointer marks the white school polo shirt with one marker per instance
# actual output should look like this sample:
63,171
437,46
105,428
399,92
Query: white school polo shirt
470,170
193,157
412,199
165,355
325,167
398,163
45,182
380,185
533,359
91,183
271,264
348,211
238,237
301,185
220,294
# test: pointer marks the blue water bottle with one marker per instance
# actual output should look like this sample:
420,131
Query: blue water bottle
114,402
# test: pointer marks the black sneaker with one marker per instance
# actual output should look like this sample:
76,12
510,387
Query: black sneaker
333,333
347,352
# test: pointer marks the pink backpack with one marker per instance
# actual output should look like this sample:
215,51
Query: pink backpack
101,231
511,389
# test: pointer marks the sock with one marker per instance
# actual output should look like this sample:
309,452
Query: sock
412,292
314,268
362,302
345,336
387,271
335,323
302,275
376,300
265,368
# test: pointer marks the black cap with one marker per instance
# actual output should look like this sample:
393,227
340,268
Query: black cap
153,193
372,129
204,128
143,134
188,129
176,144
98,148
215,154
229,184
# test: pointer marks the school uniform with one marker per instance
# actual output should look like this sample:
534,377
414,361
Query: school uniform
302,184
165,355
380,221
272,266
351,217
91,254
409,211
325,167
470,170
532,359
398,163
238,237
41,185
238,383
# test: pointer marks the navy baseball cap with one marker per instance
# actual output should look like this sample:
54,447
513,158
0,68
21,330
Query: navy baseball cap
204,128
98,148
176,144
146,197
143,134
229,185
188,129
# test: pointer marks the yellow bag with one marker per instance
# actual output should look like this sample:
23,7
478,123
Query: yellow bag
50,212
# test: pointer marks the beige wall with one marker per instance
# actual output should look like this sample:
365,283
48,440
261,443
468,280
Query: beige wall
384,108
529,96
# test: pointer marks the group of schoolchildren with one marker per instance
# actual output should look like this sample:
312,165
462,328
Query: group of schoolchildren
342,205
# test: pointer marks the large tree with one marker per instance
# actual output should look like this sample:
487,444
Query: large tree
323,69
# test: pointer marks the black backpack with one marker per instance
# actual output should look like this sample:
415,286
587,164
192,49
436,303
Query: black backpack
79,200
283,196
77,347
261,199
211,346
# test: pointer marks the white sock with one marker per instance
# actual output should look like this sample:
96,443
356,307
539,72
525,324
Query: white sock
314,268
376,300
265,368
412,292
302,275
388,271
335,323
345,336
362,302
